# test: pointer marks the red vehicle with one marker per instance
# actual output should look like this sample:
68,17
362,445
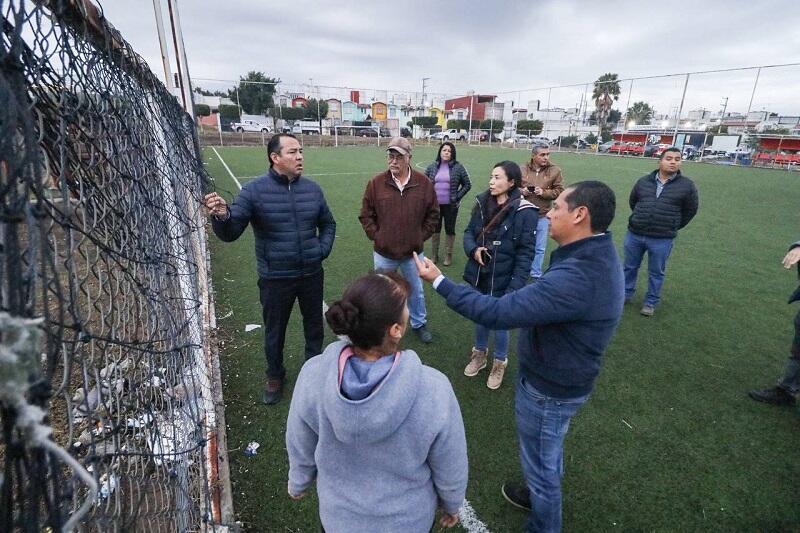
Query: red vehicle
635,149
617,147
787,159
763,158
627,148
660,150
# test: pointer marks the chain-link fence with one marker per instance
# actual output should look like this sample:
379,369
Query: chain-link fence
109,384
734,115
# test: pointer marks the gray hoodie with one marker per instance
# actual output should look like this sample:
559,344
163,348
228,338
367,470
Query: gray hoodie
383,463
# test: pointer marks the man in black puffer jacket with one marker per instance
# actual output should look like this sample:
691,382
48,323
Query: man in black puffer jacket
294,231
662,202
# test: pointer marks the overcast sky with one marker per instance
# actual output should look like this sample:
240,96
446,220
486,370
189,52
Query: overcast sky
494,47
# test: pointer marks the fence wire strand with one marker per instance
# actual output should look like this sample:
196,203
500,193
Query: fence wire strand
106,390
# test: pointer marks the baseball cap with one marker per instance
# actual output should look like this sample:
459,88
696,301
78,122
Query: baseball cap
401,145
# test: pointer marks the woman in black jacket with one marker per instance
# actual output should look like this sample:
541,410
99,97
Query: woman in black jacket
451,181
499,242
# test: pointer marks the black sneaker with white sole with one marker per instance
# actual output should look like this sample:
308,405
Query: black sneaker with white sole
517,494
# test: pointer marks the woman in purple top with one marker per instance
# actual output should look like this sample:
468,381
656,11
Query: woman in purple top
451,182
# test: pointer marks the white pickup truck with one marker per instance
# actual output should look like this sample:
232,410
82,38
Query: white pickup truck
303,127
249,125
451,134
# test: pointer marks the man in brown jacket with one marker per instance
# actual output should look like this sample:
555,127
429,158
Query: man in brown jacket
541,184
399,212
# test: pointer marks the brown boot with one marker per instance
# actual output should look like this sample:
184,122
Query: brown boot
435,247
448,249
477,362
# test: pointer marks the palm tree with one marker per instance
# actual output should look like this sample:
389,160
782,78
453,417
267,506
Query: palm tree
640,113
606,91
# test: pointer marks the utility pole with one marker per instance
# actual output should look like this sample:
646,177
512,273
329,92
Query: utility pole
422,100
722,116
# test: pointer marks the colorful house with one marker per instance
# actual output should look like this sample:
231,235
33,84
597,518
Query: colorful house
334,108
379,111
473,104
349,111
363,111
439,114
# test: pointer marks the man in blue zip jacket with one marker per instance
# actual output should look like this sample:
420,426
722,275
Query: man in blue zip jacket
662,202
568,318
294,232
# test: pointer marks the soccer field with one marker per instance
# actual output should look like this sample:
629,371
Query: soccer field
669,440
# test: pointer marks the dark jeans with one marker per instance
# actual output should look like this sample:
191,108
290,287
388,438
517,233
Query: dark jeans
791,375
448,213
277,299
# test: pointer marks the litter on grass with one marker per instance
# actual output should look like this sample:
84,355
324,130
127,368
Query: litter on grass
251,449
251,327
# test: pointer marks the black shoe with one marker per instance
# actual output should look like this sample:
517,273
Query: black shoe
423,334
775,396
517,495
273,392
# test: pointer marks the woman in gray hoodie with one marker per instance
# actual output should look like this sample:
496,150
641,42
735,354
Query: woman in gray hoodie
380,432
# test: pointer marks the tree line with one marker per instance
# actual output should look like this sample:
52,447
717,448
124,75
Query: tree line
255,95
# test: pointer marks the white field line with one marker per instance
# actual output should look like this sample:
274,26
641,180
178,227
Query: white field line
224,164
470,521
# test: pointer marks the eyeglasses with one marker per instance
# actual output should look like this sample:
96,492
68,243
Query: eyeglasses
394,156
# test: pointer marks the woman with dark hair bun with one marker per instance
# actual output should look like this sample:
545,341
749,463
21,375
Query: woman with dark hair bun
499,242
451,181
380,432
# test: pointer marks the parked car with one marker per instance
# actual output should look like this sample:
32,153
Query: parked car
690,152
634,148
580,144
249,125
367,132
605,146
484,137
451,135
405,132
739,151
518,139
617,147
305,127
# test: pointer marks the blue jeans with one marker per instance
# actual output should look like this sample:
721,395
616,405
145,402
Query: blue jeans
541,246
658,251
416,300
542,424
500,341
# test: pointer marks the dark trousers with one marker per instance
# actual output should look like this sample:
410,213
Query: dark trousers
277,299
448,214
791,375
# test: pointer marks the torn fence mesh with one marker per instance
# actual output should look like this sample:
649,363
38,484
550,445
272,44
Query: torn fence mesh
106,406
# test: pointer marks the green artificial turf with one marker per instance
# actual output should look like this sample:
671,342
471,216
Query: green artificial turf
669,440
